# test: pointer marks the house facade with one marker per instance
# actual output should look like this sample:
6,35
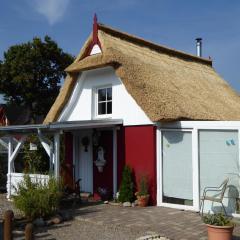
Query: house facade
131,140
165,113
176,120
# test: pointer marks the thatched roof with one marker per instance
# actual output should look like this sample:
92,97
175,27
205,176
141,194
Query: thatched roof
167,84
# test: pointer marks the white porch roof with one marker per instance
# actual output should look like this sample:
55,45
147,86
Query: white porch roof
85,124
56,126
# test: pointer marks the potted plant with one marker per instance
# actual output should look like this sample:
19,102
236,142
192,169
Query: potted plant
219,227
104,193
142,194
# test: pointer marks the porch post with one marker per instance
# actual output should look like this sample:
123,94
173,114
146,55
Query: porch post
57,155
195,168
12,154
10,151
114,162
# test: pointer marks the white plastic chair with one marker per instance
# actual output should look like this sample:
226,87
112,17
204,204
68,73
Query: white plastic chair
219,192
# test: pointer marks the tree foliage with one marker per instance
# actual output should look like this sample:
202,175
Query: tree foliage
30,74
35,161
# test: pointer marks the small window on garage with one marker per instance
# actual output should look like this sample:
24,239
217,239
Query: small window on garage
103,102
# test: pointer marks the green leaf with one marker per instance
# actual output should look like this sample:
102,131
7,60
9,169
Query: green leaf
30,74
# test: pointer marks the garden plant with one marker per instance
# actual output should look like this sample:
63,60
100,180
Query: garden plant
37,199
126,193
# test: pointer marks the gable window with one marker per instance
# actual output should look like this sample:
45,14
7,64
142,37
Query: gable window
104,101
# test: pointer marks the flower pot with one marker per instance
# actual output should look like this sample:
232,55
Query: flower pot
143,200
219,232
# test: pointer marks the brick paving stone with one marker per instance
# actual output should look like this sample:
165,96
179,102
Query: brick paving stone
167,222
115,222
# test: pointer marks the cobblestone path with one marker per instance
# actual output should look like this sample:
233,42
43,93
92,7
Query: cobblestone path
122,223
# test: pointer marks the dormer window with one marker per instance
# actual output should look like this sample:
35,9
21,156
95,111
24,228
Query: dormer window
103,102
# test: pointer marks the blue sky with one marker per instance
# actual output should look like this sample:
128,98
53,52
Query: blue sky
174,23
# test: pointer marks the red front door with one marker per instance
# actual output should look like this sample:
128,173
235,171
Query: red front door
104,179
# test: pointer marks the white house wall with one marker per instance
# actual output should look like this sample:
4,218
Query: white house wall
81,104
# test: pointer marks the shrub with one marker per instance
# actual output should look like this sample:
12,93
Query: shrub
126,188
217,220
143,186
36,199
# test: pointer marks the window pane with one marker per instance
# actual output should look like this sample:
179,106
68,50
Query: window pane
101,108
101,95
109,107
109,93
177,167
219,159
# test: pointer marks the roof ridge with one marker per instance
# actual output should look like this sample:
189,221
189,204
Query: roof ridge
152,45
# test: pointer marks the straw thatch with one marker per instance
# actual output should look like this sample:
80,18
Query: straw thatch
167,84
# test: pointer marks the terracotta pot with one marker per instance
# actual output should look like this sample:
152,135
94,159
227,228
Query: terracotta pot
219,232
143,200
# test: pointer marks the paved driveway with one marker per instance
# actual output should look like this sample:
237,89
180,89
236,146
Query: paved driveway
120,223
171,223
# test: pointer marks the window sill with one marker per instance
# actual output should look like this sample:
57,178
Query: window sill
107,116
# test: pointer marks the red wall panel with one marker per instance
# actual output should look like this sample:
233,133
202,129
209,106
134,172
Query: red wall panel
140,154
136,148
120,154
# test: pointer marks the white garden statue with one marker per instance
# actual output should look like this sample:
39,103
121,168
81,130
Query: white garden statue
100,162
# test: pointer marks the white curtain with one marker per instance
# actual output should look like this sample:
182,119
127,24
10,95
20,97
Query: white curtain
177,164
219,159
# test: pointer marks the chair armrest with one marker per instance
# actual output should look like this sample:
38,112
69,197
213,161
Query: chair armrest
213,190
210,190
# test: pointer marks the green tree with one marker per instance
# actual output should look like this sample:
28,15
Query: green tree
126,188
30,74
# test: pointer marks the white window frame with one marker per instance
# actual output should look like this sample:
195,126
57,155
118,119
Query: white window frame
195,127
160,172
95,100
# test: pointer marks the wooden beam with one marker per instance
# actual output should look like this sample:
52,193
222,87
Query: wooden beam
46,143
5,145
10,150
48,147
12,154
17,149
57,155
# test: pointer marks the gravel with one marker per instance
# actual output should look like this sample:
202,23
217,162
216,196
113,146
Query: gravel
7,205
78,229
82,230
